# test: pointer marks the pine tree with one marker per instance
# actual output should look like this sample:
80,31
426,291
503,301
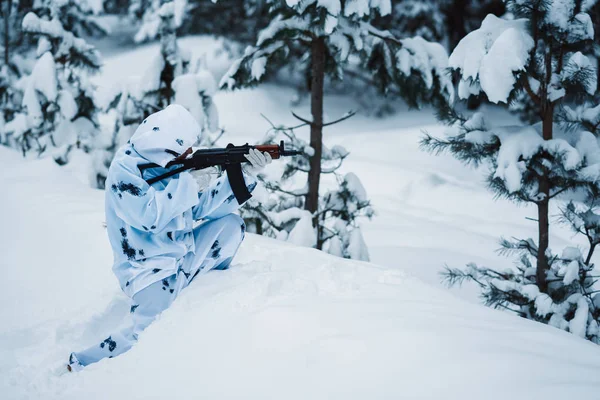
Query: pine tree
318,40
14,47
58,110
169,79
540,55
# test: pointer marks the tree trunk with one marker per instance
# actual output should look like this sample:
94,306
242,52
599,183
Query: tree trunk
543,230
543,210
316,127
455,22
8,5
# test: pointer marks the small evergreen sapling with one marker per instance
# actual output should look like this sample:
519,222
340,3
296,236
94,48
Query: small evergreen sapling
276,210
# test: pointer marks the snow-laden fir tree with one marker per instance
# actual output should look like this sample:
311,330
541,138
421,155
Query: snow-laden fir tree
58,111
318,40
14,47
170,78
523,105
152,14
541,54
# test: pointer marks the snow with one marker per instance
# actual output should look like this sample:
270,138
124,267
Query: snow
355,187
491,55
582,28
426,58
44,46
67,104
333,7
571,253
303,233
17,126
578,324
190,92
43,76
32,23
544,306
151,78
258,68
96,6
342,43
331,23
42,80
384,7
520,143
592,115
576,64
559,13
151,19
357,248
316,325
360,8
278,25
148,30
54,29
571,273
517,142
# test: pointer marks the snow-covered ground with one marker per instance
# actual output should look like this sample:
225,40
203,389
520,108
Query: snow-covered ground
284,322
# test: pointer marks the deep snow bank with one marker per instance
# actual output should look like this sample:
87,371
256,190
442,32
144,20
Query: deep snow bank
284,322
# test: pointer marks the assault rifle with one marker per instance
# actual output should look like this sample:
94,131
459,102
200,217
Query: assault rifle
230,159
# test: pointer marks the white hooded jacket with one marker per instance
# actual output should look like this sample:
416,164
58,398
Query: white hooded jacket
150,226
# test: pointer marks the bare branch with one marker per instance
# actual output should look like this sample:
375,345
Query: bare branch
301,119
212,143
283,128
349,114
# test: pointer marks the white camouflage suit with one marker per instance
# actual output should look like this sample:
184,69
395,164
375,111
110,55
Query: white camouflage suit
157,250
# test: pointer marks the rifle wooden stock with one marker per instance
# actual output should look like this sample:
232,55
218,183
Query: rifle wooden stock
272,149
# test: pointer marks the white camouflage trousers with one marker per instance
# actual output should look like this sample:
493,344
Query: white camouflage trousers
216,242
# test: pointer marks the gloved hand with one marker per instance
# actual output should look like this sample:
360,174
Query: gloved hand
257,161
203,177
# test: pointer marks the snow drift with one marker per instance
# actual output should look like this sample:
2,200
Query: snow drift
283,322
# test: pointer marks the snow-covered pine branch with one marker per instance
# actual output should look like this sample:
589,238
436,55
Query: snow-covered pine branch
65,45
